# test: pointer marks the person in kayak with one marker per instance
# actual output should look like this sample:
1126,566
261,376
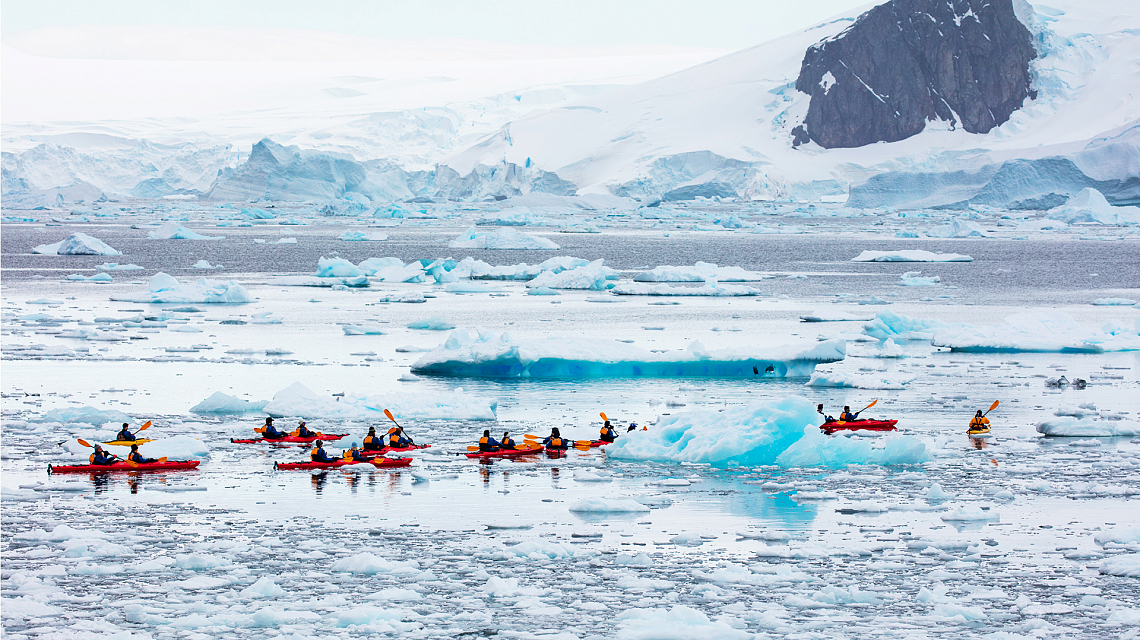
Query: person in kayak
318,454
826,418
507,442
487,443
397,439
980,422
135,456
373,442
270,432
607,434
847,416
102,457
305,432
355,454
555,440
125,434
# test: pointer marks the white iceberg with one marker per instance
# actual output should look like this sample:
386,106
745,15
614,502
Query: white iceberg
355,235
1087,427
711,289
834,316
98,277
77,244
503,238
888,324
205,264
608,505
114,266
700,272
594,276
1089,206
174,231
449,270
910,255
299,400
485,353
221,403
916,279
1041,332
434,323
165,288
957,228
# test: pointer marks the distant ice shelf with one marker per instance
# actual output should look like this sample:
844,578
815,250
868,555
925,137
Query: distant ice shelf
910,255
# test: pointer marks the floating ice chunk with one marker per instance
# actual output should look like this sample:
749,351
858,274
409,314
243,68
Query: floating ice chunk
700,272
371,616
542,291
396,594
815,449
540,549
485,353
916,279
60,533
27,607
608,505
503,238
891,350
265,587
1084,428
960,612
180,447
364,330
640,560
935,492
710,289
970,513
1117,302
470,287
337,268
834,377
594,276
286,240
835,316
1118,536
165,289
174,231
89,415
434,323
678,623
957,228
888,324
910,255
77,244
114,266
369,564
1041,332
200,562
198,583
298,400
98,277
1089,206
205,264
315,281
507,587
221,403
357,235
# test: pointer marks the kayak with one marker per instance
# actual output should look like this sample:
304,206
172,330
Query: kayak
385,463
379,462
504,453
124,466
127,443
325,437
858,425
398,449
978,432
557,453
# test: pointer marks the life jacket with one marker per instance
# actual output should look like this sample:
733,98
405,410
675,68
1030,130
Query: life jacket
320,455
979,422
556,443
358,456
125,435
135,456
398,441
305,432
507,443
608,434
373,443
847,416
106,458
487,443
271,433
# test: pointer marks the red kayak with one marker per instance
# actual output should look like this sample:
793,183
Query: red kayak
378,462
399,449
124,466
324,437
859,425
557,453
505,453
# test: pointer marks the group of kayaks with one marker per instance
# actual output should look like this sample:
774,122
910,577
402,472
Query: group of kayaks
979,425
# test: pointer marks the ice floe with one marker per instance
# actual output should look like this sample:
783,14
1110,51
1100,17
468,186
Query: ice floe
502,238
221,403
1089,206
594,276
700,272
709,289
78,244
1087,427
166,288
1042,332
174,231
299,400
910,255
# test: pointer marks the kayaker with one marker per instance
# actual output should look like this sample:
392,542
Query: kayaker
305,432
847,416
125,434
826,418
507,442
135,456
355,454
555,440
270,432
487,443
101,457
318,454
607,434
980,422
397,439
373,442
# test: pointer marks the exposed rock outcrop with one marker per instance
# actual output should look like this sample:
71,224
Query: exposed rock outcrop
908,62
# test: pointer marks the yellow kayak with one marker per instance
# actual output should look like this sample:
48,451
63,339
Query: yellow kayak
127,443
978,432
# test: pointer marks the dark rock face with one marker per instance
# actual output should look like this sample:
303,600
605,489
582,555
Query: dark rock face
907,62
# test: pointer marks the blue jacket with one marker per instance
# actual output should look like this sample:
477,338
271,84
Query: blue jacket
489,444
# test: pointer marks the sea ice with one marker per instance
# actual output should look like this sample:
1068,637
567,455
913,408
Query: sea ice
700,272
888,324
594,276
502,238
598,504
205,264
1084,428
434,323
221,403
829,315
174,231
485,353
837,377
910,255
1041,332
165,288
356,235
1125,565
710,289
916,279
98,277
299,400
1089,206
957,228
77,244
88,415
1117,302
114,266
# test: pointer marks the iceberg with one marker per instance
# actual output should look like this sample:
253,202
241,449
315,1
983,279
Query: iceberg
910,255
888,324
710,289
434,323
1090,207
299,400
783,431
485,353
916,279
479,270
221,403
356,235
1114,302
98,277
318,281
594,276
958,228
503,238
175,231
1039,332
700,272
1088,427
87,415
77,244
114,266
205,264
834,316
165,288
337,268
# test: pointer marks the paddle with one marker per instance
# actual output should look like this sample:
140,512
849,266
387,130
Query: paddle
88,444
393,419
873,403
992,407
603,414
145,426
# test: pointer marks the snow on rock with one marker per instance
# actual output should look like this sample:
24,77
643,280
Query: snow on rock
88,415
174,231
700,272
1089,206
710,289
830,315
957,228
679,623
783,432
299,400
1040,332
77,244
594,276
608,505
486,353
165,288
502,238
1088,427
221,403
1126,565
910,255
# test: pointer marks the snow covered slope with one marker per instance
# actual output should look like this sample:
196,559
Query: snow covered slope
724,128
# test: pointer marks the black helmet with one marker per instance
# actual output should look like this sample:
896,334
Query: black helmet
846,408
819,407
486,433
134,447
554,432
126,424
979,412
268,420
371,430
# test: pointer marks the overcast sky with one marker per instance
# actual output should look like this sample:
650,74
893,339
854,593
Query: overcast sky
718,24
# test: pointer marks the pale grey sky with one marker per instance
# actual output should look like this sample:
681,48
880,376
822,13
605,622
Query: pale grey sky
719,24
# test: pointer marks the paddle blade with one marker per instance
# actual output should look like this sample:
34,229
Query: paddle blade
162,459
603,414
145,426
389,414
472,448
85,443
259,429
994,405
531,436
873,403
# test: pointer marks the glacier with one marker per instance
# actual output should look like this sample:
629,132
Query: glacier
486,353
